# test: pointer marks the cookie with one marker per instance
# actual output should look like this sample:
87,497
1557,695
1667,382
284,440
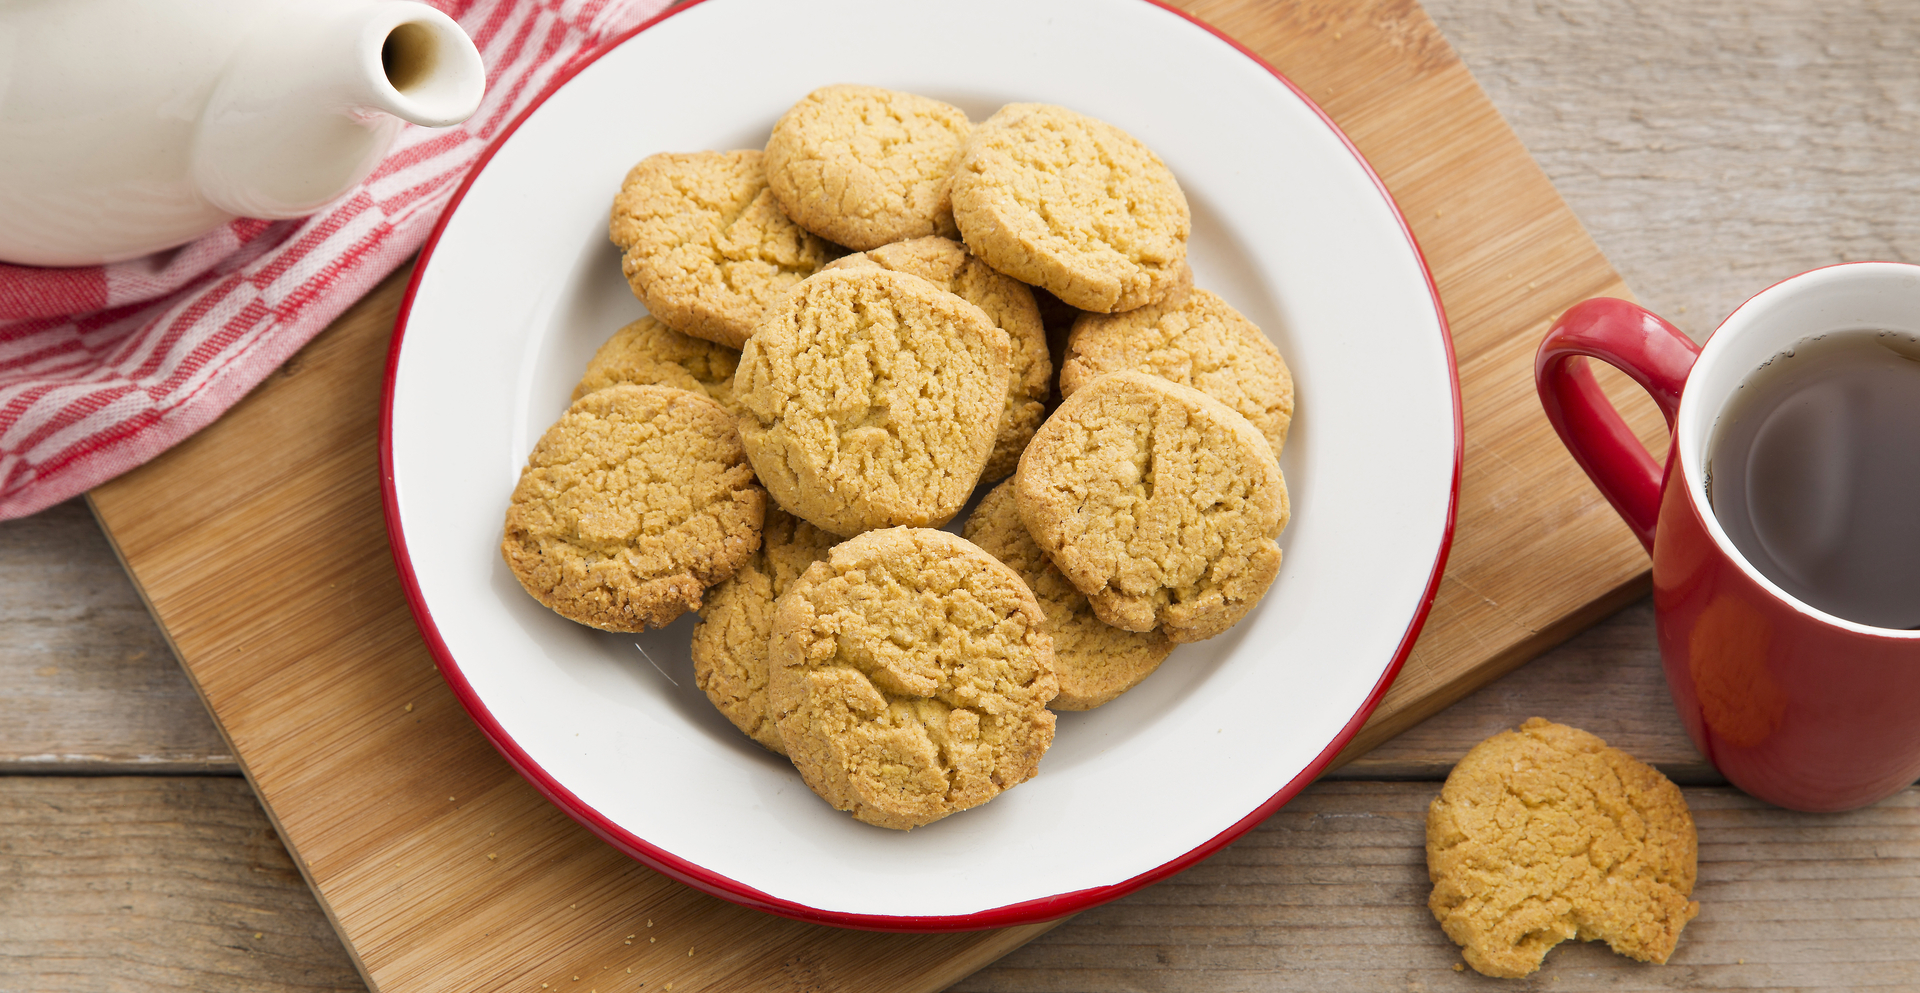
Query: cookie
1094,661
1158,502
631,505
1198,341
736,624
1074,205
861,166
911,675
1545,834
871,399
704,245
1010,305
648,352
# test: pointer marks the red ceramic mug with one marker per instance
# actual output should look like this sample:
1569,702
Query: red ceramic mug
1794,705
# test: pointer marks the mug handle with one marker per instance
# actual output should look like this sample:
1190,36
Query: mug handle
1654,354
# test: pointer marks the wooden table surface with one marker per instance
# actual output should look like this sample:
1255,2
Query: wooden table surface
1711,148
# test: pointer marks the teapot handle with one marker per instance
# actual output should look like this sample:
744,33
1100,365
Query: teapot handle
1654,354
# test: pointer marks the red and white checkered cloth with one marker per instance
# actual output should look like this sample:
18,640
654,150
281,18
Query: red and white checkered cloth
103,368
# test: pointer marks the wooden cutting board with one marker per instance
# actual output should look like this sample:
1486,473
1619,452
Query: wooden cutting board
259,545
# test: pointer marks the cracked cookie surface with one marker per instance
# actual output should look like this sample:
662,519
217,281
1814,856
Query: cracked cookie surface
1094,661
1074,205
1200,342
1158,502
1545,834
730,643
1010,305
911,675
631,505
863,166
704,244
871,400
647,352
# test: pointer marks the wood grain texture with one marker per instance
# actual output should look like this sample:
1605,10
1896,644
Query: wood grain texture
1607,680
167,882
87,683
1713,147
1329,895
154,884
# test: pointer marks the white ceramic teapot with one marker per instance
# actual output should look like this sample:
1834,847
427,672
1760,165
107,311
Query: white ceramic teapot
131,126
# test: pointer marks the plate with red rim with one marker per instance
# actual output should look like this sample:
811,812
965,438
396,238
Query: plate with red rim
518,286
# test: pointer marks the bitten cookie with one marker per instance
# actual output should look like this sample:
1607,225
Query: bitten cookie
1010,305
705,246
1094,661
1199,342
730,643
911,675
1156,501
1074,205
648,352
1546,834
862,166
871,398
631,505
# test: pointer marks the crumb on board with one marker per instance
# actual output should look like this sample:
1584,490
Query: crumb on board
1459,967
409,708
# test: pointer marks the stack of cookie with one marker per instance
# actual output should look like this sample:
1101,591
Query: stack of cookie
906,671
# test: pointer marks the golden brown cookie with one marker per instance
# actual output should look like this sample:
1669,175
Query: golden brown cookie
730,643
704,244
1545,834
1198,341
649,352
1072,204
1009,304
911,675
862,166
1156,501
1094,661
631,505
871,398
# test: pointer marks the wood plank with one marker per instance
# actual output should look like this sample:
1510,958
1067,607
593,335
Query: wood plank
87,682
154,883
1713,147
166,882
1329,895
1606,680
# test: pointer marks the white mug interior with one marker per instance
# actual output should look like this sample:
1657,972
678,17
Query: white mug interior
1854,296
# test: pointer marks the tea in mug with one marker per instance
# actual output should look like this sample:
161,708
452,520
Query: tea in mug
1814,473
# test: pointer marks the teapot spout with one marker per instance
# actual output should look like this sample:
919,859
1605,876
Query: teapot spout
429,73
317,95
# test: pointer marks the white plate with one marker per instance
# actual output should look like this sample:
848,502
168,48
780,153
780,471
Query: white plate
520,285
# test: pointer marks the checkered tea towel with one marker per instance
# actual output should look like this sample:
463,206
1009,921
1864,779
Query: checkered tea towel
102,368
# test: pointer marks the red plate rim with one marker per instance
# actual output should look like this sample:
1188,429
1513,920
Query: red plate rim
1025,912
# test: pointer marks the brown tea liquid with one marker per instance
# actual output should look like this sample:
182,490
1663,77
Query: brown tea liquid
1814,472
